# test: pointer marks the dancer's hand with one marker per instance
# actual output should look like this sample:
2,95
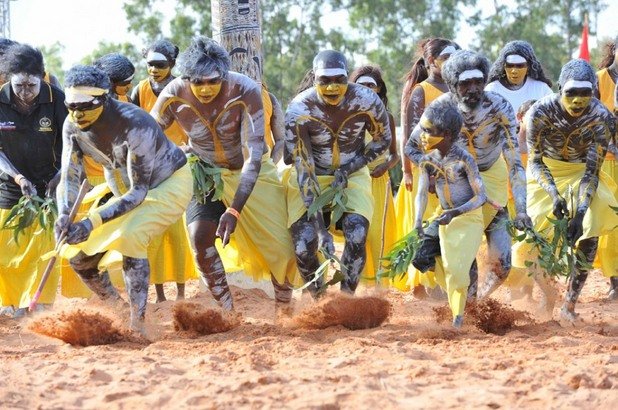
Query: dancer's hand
407,181
79,232
27,188
560,209
420,232
576,228
446,217
379,170
227,226
522,221
341,178
61,224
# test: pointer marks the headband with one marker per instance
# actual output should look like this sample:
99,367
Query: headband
447,50
366,79
154,56
577,84
469,74
516,59
81,94
330,72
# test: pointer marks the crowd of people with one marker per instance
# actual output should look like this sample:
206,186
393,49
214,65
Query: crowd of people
204,173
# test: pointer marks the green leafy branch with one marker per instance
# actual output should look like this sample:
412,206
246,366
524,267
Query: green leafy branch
322,271
27,211
333,199
395,263
206,179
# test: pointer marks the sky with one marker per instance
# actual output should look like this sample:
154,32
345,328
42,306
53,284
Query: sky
80,24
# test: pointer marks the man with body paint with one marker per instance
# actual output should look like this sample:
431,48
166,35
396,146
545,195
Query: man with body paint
325,139
221,112
170,254
567,135
32,114
517,75
489,135
460,190
146,173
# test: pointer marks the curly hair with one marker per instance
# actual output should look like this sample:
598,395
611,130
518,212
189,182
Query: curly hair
460,61
578,70
5,43
22,58
445,115
524,49
116,66
374,72
203,57
86,75
163,46
429,47
609,53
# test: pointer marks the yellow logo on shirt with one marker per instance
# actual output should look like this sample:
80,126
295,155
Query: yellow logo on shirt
45,124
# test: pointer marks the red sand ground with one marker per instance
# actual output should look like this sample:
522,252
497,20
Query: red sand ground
409,362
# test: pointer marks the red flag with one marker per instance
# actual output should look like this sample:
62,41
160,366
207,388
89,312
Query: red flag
584,53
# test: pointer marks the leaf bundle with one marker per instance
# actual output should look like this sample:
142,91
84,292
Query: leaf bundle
396,262
333,199
206,179
322,271
28,210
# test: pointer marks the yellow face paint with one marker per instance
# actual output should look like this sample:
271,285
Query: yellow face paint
331,93
576,105
158,74
85,118
122,90
516,75
429,142
205,93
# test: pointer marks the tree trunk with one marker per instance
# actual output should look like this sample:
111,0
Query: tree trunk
236,26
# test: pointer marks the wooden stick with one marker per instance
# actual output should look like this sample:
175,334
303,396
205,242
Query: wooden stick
83,190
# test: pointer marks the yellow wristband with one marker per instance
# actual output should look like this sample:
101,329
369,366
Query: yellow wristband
233,212
96,220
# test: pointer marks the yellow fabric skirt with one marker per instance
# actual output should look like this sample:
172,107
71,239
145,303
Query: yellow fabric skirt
405,213
459,243
21,266
382,228
495,180
607,253
261,243
599,220
170,255
130,234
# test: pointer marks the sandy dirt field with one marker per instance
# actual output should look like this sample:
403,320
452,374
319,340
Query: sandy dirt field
409,362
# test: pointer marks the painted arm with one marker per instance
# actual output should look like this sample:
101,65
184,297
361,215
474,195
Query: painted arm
413,150
534,139
410,118
252,140
420,202
392,157
71,173
161,110
135,96
277,127
510,150
594,160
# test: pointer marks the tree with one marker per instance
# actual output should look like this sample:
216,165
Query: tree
53,61
127,49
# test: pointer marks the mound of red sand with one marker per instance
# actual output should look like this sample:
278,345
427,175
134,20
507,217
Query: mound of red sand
193,317
351,312
487,315
79,328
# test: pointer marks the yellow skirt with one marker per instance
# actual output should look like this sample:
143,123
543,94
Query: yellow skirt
130,234
170,255
495,180
459,243
599,220
607,253
21,266
382,228
405,214
261,243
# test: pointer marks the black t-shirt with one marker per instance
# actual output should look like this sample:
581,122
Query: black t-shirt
35,146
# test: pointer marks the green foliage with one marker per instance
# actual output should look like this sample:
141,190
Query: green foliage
332,199
29,210
321,274
206,179
53,60
396,262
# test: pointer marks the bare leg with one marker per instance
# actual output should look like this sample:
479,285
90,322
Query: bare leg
474,281
613,288
202,236
305,237
136,277
180,288
499,252
283,297
160,293
588,247
355,229
87,268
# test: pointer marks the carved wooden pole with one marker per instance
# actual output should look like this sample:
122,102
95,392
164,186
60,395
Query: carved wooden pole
236,26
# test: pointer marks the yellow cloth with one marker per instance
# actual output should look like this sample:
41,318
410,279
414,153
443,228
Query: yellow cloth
130,234
124,98
21,266
495,180
261,242
607,87
599,219
268,113
459,243
431,92
170,255
147,99
607,253
360,200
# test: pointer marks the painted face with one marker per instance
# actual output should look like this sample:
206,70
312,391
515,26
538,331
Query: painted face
122,88
206,89
576,100
331,89
431,137
159,70
516,73
26,87
84,114
470,91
